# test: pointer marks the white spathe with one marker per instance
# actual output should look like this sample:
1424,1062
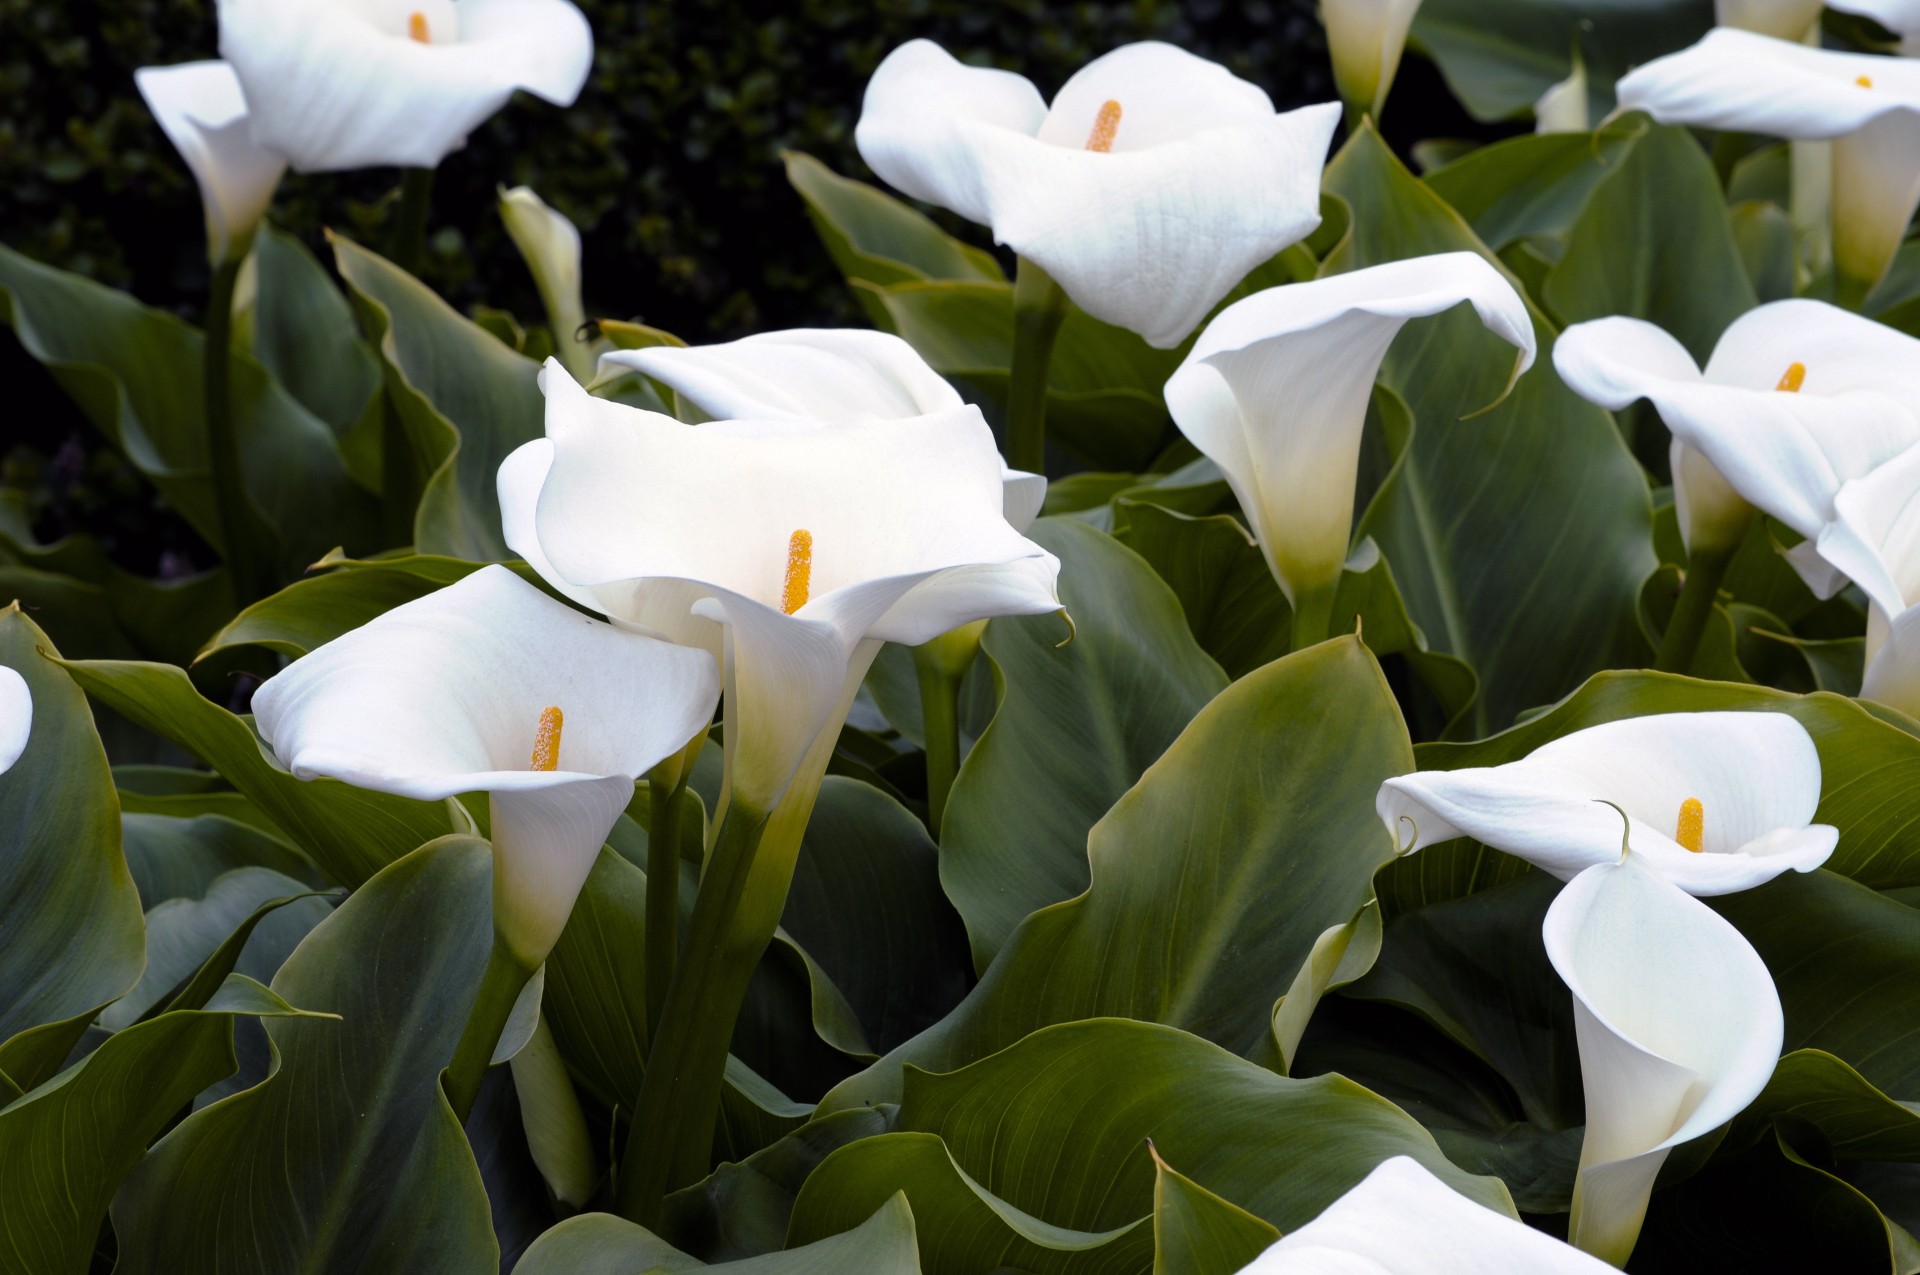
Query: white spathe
1755,777
1679,1028
16,717
1869,106
200,107
550,245
1275,393
1901,17
336,84
1402,1220
1563,108
819,374
1198,181
1781,19
445,695
1365,39
687,531
1874,540
1784,451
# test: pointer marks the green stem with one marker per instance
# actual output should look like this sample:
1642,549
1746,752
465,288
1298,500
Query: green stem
408,241
499,988
1039,307
1313,615
940,722
1705,570
240,544
666,786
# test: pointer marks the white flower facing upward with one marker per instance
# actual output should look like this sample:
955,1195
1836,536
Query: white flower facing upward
16,717
1402,1220
1275,393
201,109
1874,540
791,548
818,374
1679,1028
1798,398
1869,106
1718,802
1366,38
337,84
1150,187
489,685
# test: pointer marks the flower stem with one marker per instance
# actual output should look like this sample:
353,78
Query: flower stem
240,541
1039,306
666,785
408,241
499,988
940,720
1705,570
1313,615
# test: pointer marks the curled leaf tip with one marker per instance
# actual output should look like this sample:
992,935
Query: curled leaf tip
1400,849
1073,630
1626,828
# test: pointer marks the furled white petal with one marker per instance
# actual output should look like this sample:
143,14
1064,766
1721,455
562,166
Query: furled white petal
1876,187
335,86
16,717
550,245
1275,393
1893,669
1757,776
1875,537
1679,1028
911,121
1781,19
1402,1220
545,841
1563,107
1365,38
201,109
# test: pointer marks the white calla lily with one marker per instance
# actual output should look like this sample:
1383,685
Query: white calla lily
16,717
1563,107
200,107
818,374
790,547
1402,1220
1869,106
1781,19
1148,190
1798,398
1679,1027
1874,540
457,692
1275,393
1365,39
336,84
1718,802
550,245
1901,17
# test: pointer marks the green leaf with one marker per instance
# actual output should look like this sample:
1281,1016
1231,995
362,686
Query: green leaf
1195,1232
1812,1089
1015,834
350,832
1478,517
1763,235
601,1244
371,1170
65,1147
70,925
875,237
174,857
464,399
1532,185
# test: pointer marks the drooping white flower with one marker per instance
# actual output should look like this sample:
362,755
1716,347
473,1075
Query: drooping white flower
201,109
337,84
1402,1220
1275,393
1781,19
550,245
1150,187
1869,106
16,717
791,548
818,374
1365,38
1718,802
1798,398
489,685
1679,1027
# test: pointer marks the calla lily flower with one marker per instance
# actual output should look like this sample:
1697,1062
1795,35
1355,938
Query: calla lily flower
1148,190
1403,1220
491,686
1798,398
201,109
550,245
1718,802
1874,540
16,717
1563,107
1679,1028
337,84
1869,106
1365,38
788,547
1275,393
1781,19
818,374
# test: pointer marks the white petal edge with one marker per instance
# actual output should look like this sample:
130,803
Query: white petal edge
16,717
200,107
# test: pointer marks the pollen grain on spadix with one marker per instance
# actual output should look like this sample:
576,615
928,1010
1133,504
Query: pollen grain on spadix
546,739
797,585
1106,127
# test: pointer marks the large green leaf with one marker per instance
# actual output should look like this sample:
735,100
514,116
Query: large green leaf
1532,185
70,925
1015,834
369,1169
601,1244
350,832
178,857
1519,538
1195,1232
465,400
1212,877
65,1147
313,611
875,237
